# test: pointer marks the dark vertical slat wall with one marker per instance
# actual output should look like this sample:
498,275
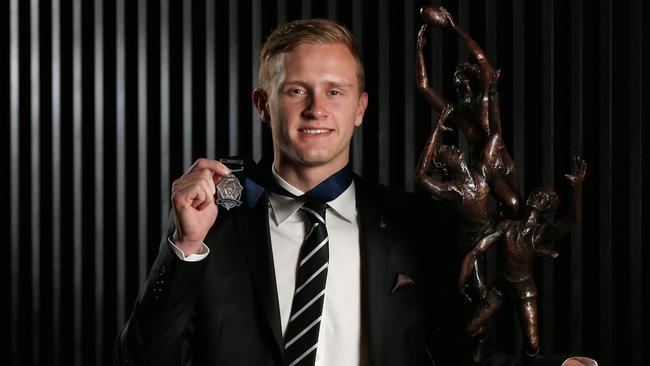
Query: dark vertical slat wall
164,176
55,119
605,178
35,101
577,104
548,108
410,22
635,183
210,83
143,178
110,100
98,171
357,140
14,171
77,183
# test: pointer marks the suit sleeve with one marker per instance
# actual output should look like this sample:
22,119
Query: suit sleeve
156,331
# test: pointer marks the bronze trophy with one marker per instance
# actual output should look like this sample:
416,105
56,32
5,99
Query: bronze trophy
467,187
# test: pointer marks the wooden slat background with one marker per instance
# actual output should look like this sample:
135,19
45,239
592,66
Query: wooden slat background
111,100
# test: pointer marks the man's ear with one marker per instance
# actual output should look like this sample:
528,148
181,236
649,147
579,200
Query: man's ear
260,101
361,108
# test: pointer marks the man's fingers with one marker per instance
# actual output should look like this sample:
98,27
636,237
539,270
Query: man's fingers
216,167
205,204
203,178
194,190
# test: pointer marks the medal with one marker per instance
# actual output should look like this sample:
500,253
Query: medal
229,188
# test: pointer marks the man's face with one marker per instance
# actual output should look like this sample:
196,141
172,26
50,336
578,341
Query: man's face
452,156
315,106
464,91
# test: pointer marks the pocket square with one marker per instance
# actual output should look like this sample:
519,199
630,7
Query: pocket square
401,282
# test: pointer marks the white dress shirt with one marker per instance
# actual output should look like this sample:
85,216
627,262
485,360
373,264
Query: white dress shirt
340,341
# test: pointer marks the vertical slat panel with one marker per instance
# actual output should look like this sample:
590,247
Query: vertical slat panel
14,90
35,150
332,9
164,112
409,96
518,90
56,180
605,181
384,96
306,8
99,178
120,149
256,43
233,77
491,23
187,84
491,53
547,141
77,183
463,22
576,148
210,79
357,138
635,175
436,55
143,141
282,11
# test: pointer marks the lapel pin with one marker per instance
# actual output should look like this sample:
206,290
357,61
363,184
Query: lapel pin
382,222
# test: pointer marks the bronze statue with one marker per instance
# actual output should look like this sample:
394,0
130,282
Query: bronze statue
522,242
467,189
477,113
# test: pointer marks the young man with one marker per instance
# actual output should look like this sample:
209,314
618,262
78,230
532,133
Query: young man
318,267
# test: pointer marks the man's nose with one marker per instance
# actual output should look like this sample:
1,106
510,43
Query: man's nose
317,107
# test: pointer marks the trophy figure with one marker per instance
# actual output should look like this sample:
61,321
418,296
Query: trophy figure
476,114
523,240
490,171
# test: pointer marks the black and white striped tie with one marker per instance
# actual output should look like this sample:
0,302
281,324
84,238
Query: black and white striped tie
301,336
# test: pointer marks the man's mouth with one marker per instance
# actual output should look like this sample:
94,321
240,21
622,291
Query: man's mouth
315,131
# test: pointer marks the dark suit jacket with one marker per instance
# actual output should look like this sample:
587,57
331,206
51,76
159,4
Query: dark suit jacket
224,310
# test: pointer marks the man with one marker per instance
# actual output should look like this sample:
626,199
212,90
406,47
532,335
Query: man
318,266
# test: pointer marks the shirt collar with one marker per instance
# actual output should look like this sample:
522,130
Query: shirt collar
283,207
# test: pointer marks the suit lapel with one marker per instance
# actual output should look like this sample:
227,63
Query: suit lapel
375,278
253,226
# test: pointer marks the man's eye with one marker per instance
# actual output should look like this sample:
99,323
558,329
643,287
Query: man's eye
296,91
335,92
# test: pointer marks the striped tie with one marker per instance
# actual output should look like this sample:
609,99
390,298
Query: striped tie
301,336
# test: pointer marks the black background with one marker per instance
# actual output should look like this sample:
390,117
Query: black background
142,88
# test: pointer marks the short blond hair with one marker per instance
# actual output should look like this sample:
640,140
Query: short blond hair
304,31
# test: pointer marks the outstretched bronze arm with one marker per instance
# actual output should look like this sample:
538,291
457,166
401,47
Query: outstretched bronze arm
440,189
574,214
495,112
433,97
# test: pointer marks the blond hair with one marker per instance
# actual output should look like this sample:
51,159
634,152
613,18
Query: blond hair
304,31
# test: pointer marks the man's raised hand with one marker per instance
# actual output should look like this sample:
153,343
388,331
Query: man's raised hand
579,171
195,210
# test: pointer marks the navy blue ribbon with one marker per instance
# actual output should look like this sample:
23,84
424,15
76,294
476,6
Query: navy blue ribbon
260,178
326,191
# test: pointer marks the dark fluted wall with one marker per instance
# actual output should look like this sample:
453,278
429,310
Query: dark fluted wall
111,100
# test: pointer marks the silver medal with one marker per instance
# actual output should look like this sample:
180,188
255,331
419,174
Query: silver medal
229,188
